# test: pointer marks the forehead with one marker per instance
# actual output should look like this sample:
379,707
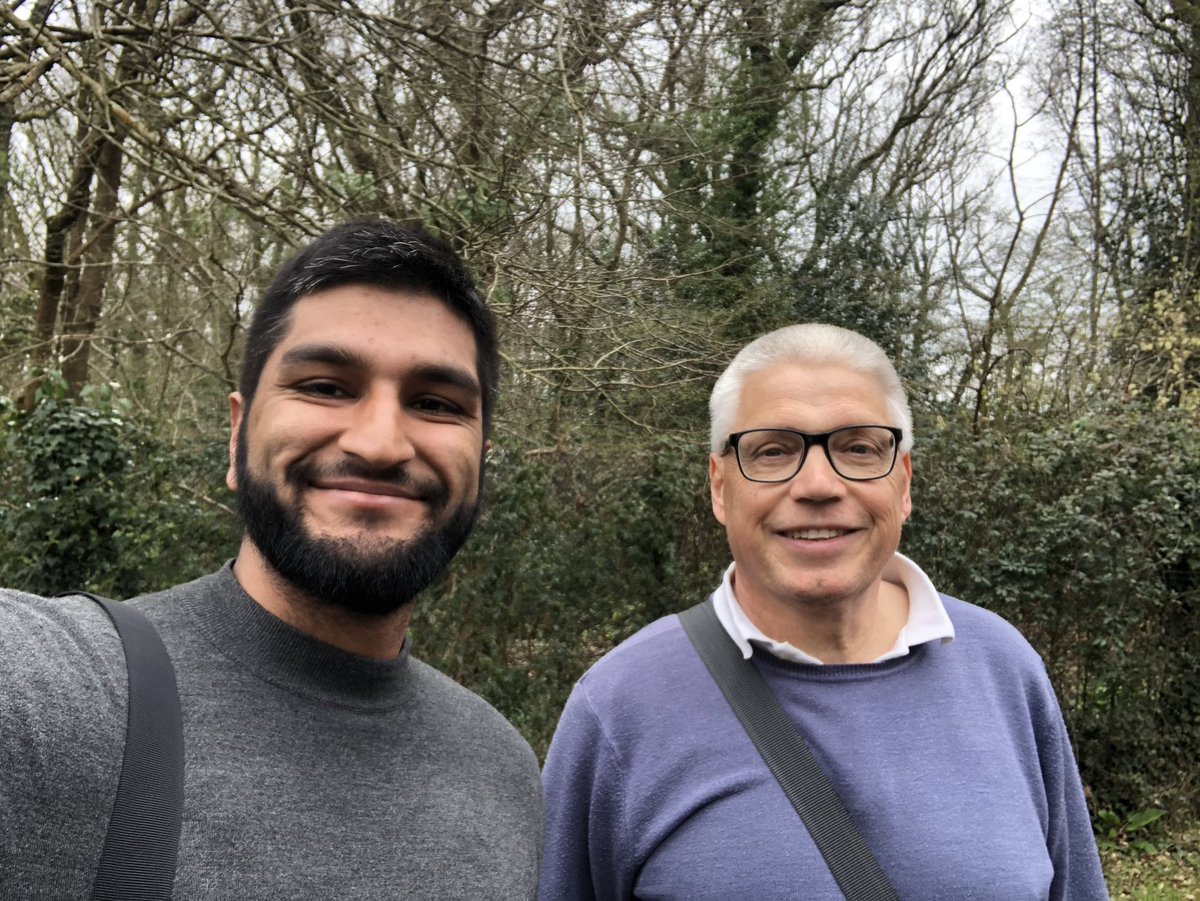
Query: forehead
383,324
810,398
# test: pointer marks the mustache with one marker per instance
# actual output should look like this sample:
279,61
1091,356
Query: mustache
304,471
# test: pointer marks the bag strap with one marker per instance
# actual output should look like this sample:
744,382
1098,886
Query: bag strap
785,752
142,844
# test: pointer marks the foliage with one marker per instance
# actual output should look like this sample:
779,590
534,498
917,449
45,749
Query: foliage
1133,834
571,558
93,501
1172,873
640,188
1086,534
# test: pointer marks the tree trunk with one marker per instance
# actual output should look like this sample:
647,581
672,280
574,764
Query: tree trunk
96,260
54,274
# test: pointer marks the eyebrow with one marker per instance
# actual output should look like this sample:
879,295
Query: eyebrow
330,354
344,357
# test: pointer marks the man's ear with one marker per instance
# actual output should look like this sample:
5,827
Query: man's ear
716,486
906,463
237,409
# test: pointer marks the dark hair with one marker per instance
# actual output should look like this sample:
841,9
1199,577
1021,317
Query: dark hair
385,254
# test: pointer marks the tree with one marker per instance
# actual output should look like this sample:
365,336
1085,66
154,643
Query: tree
641,187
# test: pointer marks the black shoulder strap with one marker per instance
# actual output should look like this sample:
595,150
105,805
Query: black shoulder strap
140,850
787,755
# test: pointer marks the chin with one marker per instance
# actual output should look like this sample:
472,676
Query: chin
825,593
365,535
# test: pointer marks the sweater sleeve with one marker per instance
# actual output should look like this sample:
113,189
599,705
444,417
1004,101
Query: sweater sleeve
62,728
1069,836
585,839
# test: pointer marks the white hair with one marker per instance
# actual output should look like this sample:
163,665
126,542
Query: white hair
808,344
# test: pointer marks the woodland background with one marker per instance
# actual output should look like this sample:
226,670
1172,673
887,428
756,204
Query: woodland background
1009,203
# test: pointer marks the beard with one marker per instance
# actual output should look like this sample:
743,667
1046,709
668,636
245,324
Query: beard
368,576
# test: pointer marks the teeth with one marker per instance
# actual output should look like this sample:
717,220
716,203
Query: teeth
816,534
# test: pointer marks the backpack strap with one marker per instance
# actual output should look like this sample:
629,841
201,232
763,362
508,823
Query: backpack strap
785,752
142,844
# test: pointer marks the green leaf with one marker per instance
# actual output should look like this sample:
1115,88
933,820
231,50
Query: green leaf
1143,818
1141,846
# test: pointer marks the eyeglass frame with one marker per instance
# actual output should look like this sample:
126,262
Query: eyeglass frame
821,439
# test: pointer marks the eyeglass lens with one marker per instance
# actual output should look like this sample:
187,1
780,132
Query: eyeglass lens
858,452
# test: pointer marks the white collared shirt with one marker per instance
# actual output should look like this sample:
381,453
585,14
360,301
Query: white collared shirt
927,617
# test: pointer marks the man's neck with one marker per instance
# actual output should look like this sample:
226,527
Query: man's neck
375,637
858,630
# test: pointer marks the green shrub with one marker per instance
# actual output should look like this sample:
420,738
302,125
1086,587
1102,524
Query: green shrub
1086,535
93,500
579,548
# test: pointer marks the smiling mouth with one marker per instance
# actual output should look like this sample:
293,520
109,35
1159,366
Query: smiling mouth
815,534
370,489
361,485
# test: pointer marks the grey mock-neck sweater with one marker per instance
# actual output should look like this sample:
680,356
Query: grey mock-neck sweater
310,772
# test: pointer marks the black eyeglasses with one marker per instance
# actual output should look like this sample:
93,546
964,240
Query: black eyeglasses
858,453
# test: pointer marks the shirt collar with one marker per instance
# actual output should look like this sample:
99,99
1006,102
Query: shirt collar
927,617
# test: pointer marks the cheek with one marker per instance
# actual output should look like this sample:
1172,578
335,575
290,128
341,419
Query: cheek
458,464
747,507
894,504
472,482
270,451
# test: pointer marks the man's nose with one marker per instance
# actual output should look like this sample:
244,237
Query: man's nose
378,430
816,479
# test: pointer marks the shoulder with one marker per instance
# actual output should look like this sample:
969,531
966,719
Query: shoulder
464,737
628,688
463,717
993,648
62,730
653,652
60,638
980,627
639,696
183,612
169,603
59,658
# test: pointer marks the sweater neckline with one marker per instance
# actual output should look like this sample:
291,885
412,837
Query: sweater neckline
840,672
282,655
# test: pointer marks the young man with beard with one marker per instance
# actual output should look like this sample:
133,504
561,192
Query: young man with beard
322,760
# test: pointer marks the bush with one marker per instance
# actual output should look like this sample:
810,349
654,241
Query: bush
580,547
1085,535
93,500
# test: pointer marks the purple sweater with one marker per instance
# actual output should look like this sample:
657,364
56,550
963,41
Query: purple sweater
953,761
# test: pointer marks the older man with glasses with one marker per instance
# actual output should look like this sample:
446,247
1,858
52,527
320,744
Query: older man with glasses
925,727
